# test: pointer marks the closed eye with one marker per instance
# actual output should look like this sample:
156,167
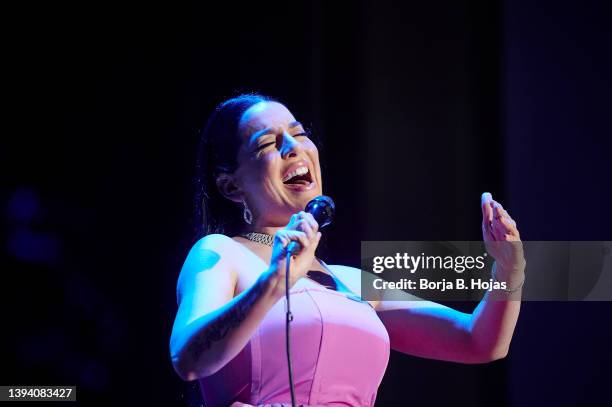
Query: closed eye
261,147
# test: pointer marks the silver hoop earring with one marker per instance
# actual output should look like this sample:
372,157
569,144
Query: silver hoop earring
247,215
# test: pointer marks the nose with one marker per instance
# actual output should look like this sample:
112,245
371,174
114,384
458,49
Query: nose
290,147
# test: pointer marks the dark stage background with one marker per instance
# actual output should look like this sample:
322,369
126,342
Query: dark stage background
421,106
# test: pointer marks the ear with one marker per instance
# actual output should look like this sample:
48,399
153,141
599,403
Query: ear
229,188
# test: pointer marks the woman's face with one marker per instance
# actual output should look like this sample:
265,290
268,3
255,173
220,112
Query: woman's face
278,165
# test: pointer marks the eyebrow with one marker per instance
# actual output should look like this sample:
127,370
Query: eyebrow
269,130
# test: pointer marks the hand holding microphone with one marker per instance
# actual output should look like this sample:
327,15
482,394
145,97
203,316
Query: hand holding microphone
322,210
301,238
295,247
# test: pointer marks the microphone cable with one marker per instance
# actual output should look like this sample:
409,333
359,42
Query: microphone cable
288,328
322,209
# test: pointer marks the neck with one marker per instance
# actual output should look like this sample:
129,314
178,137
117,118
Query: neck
268,230
269,226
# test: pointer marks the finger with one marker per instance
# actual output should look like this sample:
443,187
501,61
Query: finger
305,227
509,218
485,204
287,236
300,237
502,217
298,222
499,229
513,233
487,216
487,233
497,203
292,220
509,223
307,218
498,210
284,237
312,221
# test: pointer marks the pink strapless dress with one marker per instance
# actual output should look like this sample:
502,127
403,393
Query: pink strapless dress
339,353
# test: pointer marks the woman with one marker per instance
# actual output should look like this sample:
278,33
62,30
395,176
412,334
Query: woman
258,170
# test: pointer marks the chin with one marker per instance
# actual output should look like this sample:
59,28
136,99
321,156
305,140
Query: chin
302,200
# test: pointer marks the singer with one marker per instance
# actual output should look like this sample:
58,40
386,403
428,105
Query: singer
257,170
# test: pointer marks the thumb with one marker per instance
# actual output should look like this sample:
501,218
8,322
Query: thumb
485,205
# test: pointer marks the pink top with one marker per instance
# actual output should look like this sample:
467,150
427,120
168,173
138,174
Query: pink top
339,353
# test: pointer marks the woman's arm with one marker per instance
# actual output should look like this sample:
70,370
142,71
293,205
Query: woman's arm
431,330
212,326
434,331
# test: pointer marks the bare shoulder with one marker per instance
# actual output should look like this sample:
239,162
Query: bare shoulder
210,249
212,254
215,241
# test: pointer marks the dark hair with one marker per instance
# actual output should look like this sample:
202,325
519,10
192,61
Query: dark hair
217,153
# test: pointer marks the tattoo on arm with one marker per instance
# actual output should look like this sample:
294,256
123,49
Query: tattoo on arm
228,320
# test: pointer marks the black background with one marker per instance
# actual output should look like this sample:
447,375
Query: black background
420,106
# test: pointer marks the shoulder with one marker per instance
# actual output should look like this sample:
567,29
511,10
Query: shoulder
215,241
212,253
209,250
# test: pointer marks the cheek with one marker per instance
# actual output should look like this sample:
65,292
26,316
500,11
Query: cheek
262,173
314,156
270,166
312,148
260,165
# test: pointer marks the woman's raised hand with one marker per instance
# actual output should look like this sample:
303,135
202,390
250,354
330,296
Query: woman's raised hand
501,235
303,228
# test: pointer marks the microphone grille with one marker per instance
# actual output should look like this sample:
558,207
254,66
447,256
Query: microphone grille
322,209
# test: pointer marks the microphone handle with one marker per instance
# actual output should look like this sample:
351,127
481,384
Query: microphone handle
293,247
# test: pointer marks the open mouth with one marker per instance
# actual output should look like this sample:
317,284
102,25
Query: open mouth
299,176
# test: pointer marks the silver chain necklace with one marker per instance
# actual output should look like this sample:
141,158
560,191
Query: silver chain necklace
268,240
262,238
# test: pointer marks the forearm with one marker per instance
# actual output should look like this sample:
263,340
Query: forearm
208,343
494,319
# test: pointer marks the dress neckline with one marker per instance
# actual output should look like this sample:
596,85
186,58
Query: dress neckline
344,289
339,288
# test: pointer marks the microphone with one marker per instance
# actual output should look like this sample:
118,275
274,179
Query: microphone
322,208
